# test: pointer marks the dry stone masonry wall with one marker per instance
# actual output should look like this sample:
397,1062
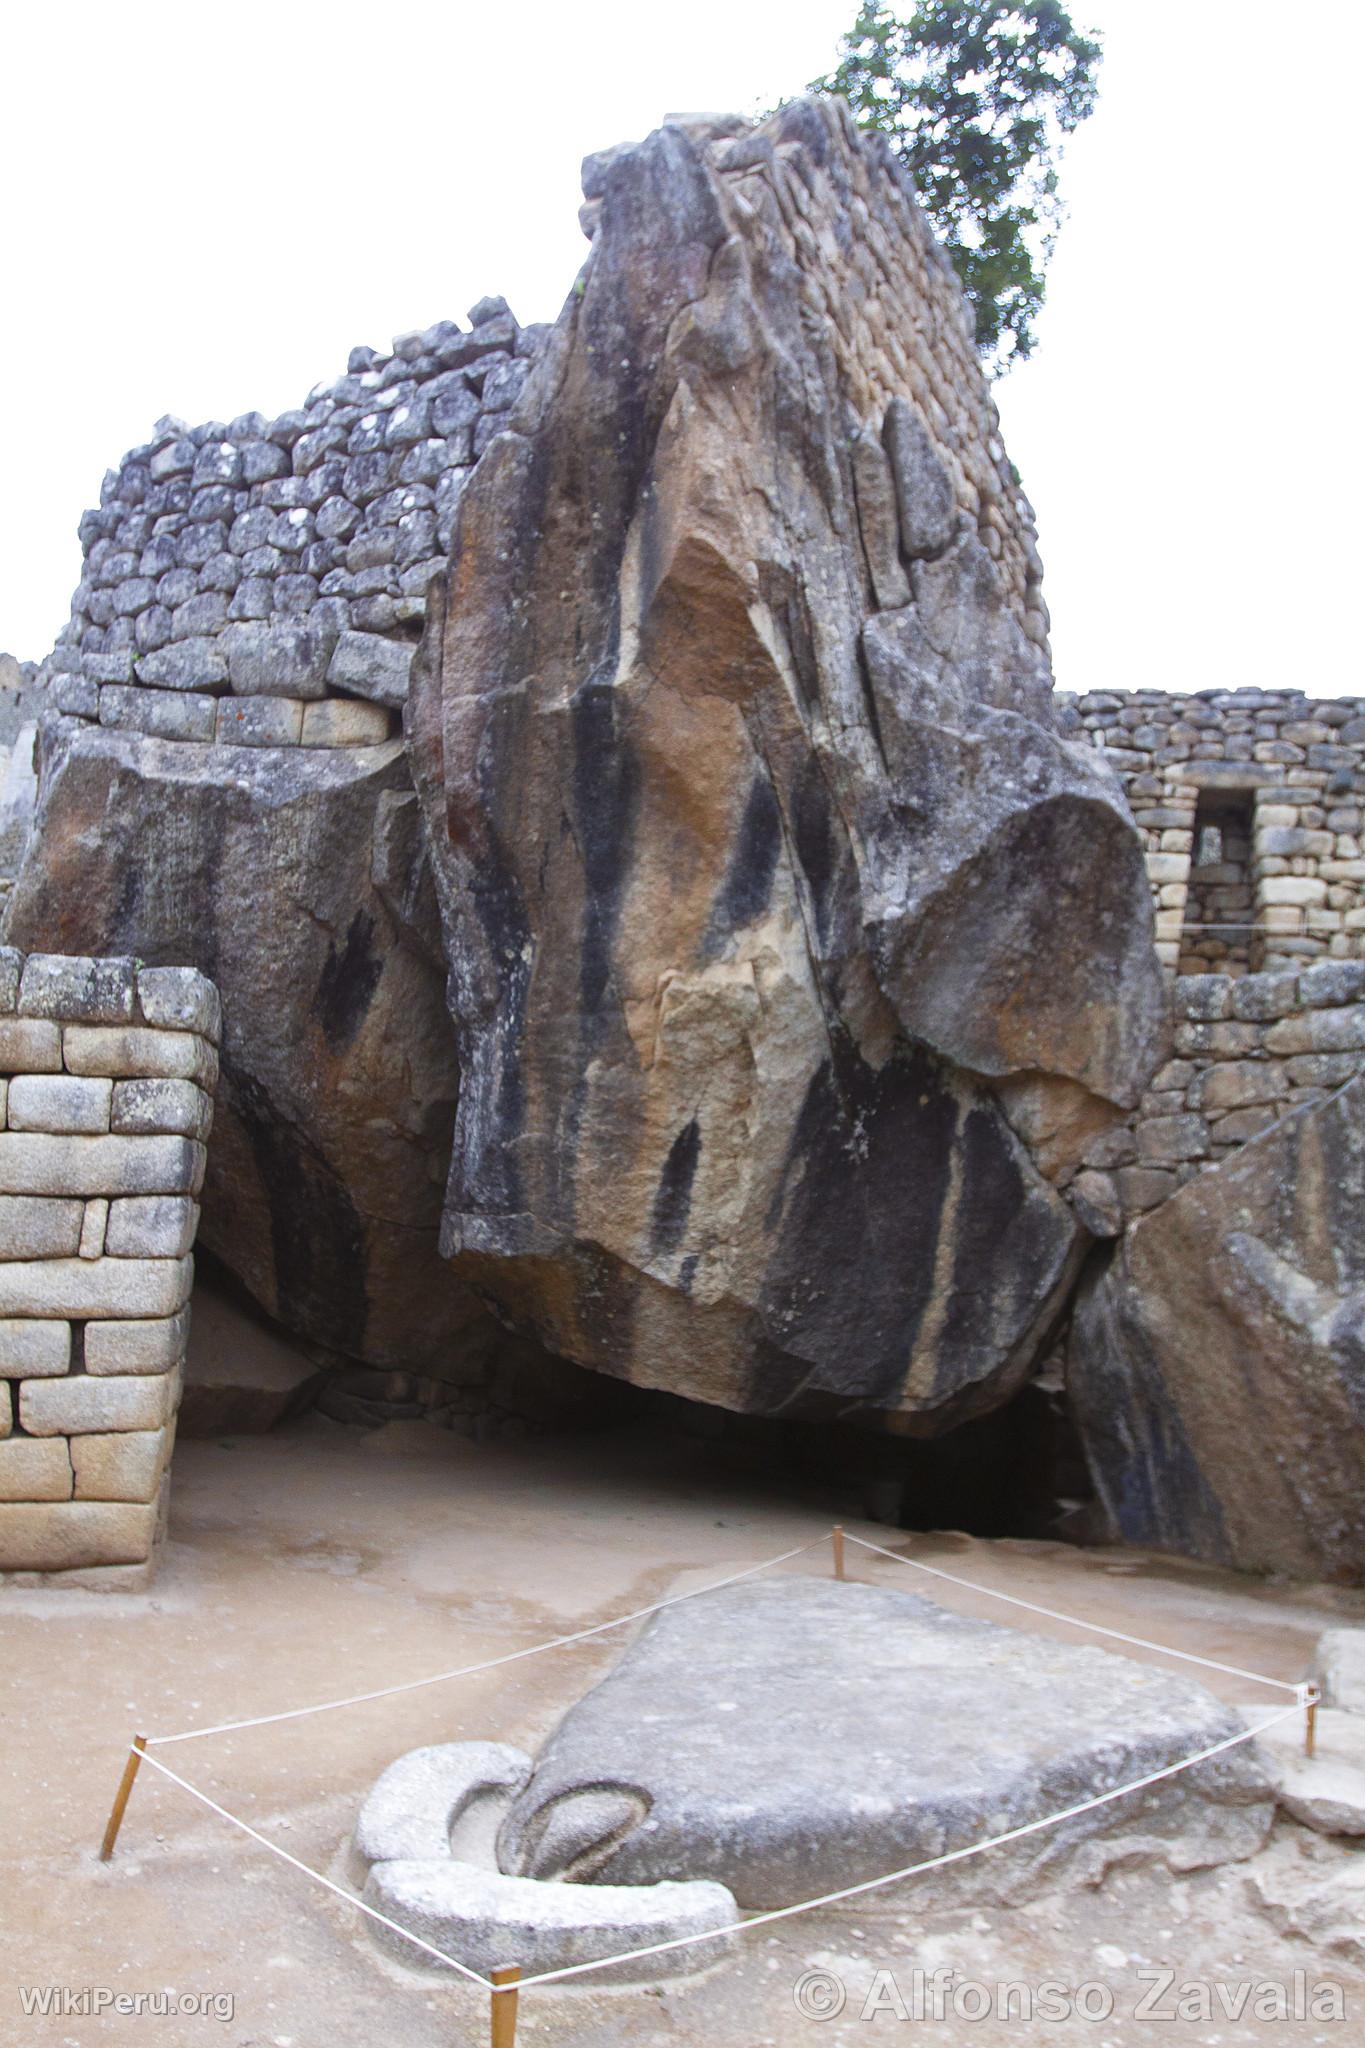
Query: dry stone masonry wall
261,582
1250,807
106,1102
1246,1051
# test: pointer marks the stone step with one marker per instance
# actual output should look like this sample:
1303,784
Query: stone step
1327,1790
241,1375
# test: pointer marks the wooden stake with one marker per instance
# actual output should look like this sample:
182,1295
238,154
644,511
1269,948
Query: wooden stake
1310,1728
504,2004
130,1771
838,1537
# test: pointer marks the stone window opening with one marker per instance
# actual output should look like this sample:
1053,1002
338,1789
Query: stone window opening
1220,908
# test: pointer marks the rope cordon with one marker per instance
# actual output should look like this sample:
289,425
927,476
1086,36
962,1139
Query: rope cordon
1305,1697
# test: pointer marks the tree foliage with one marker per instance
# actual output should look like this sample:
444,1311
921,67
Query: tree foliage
977,97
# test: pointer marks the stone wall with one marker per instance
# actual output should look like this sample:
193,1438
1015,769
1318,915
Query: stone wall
105,1106
1246,1051
888,303
261,582
1280,779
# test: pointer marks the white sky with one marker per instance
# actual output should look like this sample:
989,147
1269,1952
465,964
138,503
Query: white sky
206,206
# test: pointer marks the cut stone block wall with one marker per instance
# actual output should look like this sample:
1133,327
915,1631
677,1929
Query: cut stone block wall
1297,765
107,1072
1247,1050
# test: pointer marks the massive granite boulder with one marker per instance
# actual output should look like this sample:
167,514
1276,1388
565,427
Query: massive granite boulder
1217,1363
296,878
788,939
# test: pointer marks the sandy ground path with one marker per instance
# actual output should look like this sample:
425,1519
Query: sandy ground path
323,1560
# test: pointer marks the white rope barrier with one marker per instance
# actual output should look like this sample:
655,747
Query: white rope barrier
1073,1621
747,1926
581,1635
308,1871
1305,1699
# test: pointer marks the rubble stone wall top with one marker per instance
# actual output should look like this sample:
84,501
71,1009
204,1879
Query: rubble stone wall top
262,582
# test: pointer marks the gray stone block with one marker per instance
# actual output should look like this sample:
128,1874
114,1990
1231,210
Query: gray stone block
33,1163
11,968
31,1228
1332,982
924,490
71,1535
158,1054
189,664
365,665
80,1404
29,1045
150,1227
93,1227
182,999
279,660
344,722
136,1347
68,986
1205,996
1167,1140
1237,1084
123,1465
114,665
58,1102
1095,1198
81,1288
35,1468
6,1410
35,1350
143,1108
76,696
175,460
1260,998
259,721
1319,1031
486,1918
163,714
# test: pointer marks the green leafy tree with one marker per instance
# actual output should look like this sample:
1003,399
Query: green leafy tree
977,97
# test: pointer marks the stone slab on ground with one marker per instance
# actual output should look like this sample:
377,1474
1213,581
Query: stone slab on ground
488,1920
241,1375
792,1737
1327,1790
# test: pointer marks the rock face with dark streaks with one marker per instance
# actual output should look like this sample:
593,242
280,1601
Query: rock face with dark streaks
767,884
298,878
1217,1365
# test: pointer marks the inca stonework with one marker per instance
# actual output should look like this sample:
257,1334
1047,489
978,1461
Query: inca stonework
667,923
105,1110
1249,804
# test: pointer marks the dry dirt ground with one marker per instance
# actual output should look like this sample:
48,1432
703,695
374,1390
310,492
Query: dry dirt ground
323,1560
